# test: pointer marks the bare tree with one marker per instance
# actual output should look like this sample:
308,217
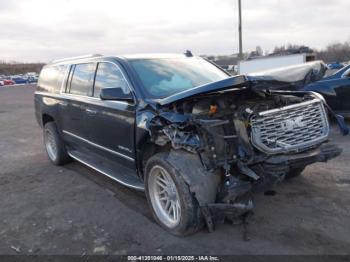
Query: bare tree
336,52
14,68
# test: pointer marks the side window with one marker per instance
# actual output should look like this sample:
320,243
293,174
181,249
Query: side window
109,75
48,79
82,79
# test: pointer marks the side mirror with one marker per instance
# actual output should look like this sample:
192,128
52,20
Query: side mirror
115,93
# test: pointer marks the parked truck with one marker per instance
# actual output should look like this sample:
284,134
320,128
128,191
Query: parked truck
271,62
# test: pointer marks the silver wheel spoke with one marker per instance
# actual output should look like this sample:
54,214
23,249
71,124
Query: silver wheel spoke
161,185
167,206
161,179
174,211
162,192
164,196
177,208
169,209
50,144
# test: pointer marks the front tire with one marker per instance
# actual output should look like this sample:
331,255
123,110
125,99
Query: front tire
54,145
172,204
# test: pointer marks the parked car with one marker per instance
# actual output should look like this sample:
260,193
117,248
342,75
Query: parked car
195,139
32,79
335,65
19,79
335,89
310,77
2,83
8,82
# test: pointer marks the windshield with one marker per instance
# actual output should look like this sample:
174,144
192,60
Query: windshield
164,77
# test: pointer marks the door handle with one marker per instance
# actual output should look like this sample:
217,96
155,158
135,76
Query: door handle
90,111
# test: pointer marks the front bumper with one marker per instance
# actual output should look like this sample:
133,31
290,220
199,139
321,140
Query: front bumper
323,153
272,170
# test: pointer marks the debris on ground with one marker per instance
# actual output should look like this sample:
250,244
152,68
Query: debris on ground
17,249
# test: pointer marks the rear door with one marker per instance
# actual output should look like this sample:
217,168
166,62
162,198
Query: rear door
76,97
111,123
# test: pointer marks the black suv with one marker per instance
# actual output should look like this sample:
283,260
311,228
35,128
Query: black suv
196,139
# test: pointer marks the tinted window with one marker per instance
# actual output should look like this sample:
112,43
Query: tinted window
109,75
82,80
168,76
48,79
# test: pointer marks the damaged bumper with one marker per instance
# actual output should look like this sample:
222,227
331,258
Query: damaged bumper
232,142
323,153
218,212
276,167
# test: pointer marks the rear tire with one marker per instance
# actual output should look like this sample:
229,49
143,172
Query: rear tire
295,172
54,145
161,176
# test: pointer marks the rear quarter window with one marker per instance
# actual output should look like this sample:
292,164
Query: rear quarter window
51,78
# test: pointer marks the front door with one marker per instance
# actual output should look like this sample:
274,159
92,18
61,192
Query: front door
111,123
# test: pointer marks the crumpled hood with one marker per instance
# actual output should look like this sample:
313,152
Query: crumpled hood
291,77
228,83
285,78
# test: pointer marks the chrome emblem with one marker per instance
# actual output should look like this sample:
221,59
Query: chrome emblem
290,124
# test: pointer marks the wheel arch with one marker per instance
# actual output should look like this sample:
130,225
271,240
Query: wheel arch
45,118
146,151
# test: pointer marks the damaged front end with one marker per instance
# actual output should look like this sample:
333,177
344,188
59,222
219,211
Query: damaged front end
232,140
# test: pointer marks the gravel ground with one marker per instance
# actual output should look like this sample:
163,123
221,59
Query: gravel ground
46,209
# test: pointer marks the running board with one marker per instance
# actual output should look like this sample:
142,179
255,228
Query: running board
123,175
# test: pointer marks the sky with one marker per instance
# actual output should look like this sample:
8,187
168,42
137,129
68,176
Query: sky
42,30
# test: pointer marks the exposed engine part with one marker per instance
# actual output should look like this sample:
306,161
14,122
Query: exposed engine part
241,143
247,171
232,188
182,139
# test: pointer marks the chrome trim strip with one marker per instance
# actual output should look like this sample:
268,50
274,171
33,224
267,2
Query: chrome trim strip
106,174
98,146
78,97
289,107
47,94
75,58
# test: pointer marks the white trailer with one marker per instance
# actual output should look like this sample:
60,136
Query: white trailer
272,62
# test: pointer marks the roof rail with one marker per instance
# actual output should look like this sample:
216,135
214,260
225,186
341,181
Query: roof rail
76,57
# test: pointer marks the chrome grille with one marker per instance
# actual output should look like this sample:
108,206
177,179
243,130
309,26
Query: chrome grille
291,128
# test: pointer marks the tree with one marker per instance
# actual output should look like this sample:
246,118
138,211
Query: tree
336,52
